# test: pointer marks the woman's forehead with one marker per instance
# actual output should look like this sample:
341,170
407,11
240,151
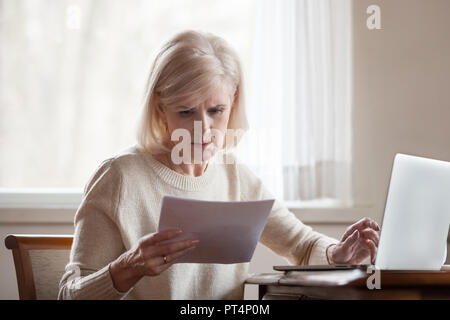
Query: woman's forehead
215,94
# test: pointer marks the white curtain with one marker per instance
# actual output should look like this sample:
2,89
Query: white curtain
72,77
299,102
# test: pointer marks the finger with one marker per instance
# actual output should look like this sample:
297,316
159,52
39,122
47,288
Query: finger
361,224
154,238
372,248
170,248
351,240
172,258
371,234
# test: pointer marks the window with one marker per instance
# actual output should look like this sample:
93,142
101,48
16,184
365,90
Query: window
300,101
72,77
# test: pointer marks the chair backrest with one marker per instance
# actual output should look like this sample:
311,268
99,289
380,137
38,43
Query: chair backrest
40,262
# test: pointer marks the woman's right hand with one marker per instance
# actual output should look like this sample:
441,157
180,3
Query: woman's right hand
146,258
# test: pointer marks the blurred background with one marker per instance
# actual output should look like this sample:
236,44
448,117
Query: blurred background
73,76
332,99
74,73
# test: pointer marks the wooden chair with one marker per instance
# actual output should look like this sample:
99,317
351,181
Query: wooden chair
40,262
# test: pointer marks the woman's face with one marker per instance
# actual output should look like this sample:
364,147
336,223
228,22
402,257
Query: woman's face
206,122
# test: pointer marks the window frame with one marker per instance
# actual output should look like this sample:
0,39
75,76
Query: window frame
60,205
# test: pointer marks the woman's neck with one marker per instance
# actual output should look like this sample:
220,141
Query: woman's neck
193,170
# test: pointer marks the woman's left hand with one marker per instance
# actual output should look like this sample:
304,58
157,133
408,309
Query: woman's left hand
359,241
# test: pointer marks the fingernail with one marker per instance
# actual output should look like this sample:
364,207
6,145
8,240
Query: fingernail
195,241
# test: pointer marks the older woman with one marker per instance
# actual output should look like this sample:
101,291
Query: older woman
116,253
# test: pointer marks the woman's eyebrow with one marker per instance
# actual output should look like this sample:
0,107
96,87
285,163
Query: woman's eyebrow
184,107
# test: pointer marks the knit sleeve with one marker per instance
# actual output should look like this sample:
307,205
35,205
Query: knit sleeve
284,233
97,240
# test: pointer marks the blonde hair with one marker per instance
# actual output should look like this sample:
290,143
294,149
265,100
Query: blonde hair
186,68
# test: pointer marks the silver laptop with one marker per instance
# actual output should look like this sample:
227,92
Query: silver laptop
416,218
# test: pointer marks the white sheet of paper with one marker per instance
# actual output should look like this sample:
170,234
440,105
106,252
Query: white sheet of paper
228,230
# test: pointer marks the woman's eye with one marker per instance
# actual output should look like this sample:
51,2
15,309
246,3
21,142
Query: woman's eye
185,112
215,111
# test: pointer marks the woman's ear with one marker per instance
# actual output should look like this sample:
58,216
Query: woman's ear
156,102
160,111
234,97
158,107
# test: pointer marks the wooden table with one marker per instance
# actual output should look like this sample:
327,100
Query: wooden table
352,284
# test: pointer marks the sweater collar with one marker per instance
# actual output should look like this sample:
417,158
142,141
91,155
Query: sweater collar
178,180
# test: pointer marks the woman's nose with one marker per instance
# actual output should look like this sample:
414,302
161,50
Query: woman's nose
206,122
202,128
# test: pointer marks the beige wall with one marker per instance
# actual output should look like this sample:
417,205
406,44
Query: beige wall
401,104
401,90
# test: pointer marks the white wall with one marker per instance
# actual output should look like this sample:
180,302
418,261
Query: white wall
26,221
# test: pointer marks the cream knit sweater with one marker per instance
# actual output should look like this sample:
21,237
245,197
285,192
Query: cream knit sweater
122,202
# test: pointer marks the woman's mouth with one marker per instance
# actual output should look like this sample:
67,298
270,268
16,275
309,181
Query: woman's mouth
204,144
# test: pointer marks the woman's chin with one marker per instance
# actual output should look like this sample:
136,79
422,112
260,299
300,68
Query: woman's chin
209,153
